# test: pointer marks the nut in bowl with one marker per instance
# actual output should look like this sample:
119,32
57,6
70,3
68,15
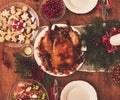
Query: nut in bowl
53,10
115,74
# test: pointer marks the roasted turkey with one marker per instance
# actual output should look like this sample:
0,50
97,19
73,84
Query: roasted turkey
60,48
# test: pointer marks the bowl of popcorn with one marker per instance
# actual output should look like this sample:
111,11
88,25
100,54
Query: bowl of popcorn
53,10
18,23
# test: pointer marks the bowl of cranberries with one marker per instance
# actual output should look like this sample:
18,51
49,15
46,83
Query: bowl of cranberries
115,74
53,10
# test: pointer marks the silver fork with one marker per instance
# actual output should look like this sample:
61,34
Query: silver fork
108,9
104,9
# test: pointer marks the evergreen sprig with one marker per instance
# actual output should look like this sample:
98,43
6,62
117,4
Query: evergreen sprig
24,65
97,54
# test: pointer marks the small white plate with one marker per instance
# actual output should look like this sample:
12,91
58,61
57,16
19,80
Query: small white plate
80,6
78,90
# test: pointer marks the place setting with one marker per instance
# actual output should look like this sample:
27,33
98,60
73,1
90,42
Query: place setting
58,50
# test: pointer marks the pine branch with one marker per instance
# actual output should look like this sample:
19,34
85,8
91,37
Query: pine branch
24,65
96,53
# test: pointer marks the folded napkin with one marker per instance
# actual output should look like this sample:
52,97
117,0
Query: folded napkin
98,6
52,95
110,3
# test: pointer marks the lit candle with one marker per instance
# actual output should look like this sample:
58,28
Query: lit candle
27,50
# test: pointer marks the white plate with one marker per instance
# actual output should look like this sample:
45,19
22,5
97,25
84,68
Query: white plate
80,6
78,90
36,52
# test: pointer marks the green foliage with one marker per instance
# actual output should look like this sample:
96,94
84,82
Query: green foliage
47,81
24,65
96,53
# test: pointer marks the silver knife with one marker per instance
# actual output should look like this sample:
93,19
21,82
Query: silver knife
55,90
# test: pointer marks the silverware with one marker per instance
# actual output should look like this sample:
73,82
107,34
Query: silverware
104,13
55,90
106,10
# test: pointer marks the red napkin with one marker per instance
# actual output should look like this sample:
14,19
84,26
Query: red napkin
98,6
110,3
51,93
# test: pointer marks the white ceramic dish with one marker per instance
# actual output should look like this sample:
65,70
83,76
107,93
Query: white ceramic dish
31,12
80,6
28,90
36,52
78,90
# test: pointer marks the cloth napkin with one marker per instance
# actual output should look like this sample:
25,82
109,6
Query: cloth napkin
52,95
98,6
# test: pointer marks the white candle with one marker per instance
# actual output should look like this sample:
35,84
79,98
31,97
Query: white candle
27,50
115,40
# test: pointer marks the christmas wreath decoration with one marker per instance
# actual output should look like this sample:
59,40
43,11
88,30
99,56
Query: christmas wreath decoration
100,52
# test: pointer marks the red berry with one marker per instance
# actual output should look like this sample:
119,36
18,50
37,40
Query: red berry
20,26
54,71
52,9
14,26
16,21
66,72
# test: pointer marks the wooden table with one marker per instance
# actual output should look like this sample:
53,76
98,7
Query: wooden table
106,90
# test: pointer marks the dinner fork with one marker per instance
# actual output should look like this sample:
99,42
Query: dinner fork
103,3
108,9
